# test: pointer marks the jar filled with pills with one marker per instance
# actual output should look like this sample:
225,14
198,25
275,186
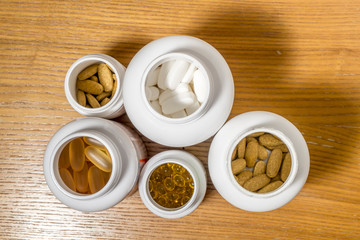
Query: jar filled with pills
182,86
258,161
172,184
91,164
93,86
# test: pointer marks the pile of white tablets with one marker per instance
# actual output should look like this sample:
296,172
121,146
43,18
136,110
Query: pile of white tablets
176,88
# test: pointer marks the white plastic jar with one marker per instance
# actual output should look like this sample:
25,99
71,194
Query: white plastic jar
197,126
125,148
228,137
115,107
187,161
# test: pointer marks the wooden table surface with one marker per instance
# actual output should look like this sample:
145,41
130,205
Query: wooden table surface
297,58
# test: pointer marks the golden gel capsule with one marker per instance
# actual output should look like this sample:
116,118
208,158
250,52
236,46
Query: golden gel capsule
93,142
99,158
96,180
67,178
76,154
81,179
64,161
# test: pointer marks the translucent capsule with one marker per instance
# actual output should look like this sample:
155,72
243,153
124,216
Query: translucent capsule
179,180
81,179
187,176
178,169
184,200
99,158
165,170
67,178
96,180
157,177
161,188
94,142
76,154
162,201
64,161
169,184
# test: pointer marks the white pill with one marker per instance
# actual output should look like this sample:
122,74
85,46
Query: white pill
201,86
183,87
152,78
164,70
189,74
152,93
156,106
179,114
178,102
176,74
192,108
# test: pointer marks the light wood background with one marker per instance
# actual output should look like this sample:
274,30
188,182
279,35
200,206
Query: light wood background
297,58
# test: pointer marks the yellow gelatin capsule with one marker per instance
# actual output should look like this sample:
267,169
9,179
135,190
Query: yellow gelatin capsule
93,142
76,154
96,180
169,184
178,169
99,158
81,179
179,180
64,161
67,178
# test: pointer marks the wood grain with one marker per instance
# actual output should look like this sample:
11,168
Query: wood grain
297,58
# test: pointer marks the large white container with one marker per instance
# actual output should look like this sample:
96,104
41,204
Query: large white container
200,125
228,137
127,152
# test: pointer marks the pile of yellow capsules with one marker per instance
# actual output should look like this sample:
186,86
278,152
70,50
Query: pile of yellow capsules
85,165
171,185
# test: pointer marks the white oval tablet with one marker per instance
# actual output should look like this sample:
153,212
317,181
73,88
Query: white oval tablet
164,70
192,108
176,74
152,93
152,78
188,77
178,102
201,86
183,87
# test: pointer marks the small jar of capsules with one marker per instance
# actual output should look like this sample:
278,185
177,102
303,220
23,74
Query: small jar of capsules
172,184
91,164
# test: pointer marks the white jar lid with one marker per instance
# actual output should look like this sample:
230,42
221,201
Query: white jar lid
178,132
226,139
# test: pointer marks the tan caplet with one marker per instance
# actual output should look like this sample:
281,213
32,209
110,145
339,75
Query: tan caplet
244,176
104,101
251,153
269,141
92,101
263,153
81,98
241,148
238,165
257,134
260,168
88,72
274,163
256,182
271,187
286,167
89,86
105,77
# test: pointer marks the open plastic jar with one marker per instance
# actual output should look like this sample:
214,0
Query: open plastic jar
172,184
124,148
115,106
252,193
190,71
